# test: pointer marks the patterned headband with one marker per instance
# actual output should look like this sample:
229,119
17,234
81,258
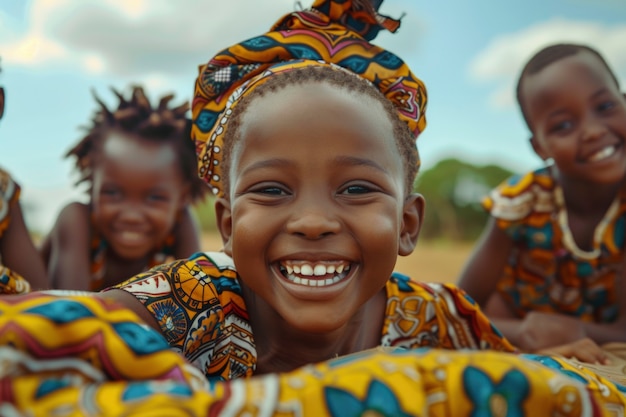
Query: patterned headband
333,33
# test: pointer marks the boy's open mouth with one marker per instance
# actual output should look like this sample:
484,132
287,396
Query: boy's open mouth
603,153
314,274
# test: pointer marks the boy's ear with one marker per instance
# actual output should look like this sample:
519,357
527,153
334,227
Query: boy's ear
412,215
224,223
538,149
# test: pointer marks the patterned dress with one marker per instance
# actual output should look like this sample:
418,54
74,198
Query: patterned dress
70,354
10,281
199,307
547,271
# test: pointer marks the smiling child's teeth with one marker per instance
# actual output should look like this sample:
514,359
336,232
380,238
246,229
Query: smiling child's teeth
321,273
319,270
604,153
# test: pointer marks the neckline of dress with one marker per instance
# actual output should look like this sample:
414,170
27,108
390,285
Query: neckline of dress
568,238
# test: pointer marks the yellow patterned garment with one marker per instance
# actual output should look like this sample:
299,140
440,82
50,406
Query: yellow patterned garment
547,271
75,355
199,306
10,281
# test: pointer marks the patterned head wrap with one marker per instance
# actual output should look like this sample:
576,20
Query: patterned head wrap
332,33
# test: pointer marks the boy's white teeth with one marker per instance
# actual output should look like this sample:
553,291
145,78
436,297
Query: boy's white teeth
126,235
602,154
323,273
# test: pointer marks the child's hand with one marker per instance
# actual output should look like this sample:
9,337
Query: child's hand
544,330
585,350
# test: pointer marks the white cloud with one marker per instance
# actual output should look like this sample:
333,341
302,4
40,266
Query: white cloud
502,60
132,38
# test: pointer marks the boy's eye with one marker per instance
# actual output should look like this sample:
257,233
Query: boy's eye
561,126
157,197
357,189
270,191
606,105
110,192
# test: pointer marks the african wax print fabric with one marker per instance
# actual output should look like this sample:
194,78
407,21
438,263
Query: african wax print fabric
10,281
76,355
9,193
546,270
99,246
331,33
200,309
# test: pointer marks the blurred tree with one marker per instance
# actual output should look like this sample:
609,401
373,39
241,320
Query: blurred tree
453,190
204,212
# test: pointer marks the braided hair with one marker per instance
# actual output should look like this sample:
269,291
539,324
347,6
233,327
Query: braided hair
137,116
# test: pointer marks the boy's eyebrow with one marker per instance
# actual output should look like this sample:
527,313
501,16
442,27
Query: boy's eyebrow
342,160
600,91
353,160
273,162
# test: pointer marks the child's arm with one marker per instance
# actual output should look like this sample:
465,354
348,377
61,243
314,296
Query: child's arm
19,252
486,264
187,235
616,331
69,265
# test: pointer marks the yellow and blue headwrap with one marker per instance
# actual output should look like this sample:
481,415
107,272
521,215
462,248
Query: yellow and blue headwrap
335,33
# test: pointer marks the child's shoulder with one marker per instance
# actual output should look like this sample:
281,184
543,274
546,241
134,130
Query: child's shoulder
401,285
521,195
204,274
74,213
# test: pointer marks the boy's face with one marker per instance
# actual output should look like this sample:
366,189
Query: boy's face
317,215
138,191
578,118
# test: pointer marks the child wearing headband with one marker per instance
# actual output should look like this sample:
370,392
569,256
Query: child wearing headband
21,267
310,148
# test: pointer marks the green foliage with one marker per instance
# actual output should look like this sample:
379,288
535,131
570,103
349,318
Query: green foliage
204,212
453,191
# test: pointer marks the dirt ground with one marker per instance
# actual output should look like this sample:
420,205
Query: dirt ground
431,261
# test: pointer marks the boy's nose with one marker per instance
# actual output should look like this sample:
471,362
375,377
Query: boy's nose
595,129
131,213
313,222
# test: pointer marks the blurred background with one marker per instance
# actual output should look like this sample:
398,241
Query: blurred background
469,54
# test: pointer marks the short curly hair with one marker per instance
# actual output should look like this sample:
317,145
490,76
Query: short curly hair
548,56
137,116
344,80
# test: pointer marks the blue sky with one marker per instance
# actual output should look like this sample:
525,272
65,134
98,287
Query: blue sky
467,52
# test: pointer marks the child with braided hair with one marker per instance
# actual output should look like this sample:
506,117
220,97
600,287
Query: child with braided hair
139,165
307,136
21,267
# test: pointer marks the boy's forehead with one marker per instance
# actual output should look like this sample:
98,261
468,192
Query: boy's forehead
317,112
584,60
565,74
